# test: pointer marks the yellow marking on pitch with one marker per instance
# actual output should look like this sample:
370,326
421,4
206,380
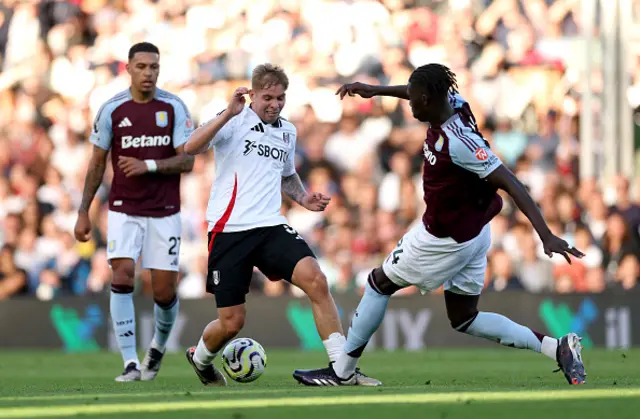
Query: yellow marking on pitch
56,411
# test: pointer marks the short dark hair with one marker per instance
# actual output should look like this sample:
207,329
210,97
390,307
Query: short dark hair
143,47
436,79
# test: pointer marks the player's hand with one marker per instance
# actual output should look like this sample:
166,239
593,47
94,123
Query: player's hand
82,230
363,90
316,201
132,166
238,101
554,244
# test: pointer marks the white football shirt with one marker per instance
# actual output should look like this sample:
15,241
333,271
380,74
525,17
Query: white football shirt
251,157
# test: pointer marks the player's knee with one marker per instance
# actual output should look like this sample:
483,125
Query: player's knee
462,321
164,294
123,276
232,322
380,282
165,299
318,288
462,309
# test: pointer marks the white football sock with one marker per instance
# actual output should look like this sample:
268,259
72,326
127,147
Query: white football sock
503,330
165,317
203,357
364,323
345,366
549,347
334,345
124,326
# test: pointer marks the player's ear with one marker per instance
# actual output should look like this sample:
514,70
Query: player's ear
425,100
252,94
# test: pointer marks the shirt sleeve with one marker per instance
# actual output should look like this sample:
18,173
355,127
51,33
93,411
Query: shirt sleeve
102,132
183,124
470,152
226,132
290,165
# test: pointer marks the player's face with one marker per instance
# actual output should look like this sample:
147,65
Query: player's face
268,103
144,68
418,102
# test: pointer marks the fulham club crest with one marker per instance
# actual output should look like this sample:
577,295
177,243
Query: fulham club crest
285,137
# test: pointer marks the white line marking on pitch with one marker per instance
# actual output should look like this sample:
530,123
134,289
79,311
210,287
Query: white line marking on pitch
57,411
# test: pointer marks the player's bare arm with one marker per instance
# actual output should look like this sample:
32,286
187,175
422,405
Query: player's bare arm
92,182
504,179
368,91
293,188
181,163
201,137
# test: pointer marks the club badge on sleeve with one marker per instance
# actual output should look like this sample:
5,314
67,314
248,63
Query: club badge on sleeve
162,119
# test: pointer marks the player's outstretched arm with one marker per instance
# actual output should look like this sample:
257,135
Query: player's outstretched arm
92,182
202,137
367,91
504,179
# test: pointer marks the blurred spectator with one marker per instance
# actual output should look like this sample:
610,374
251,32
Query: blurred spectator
535,273
620,253
13,280
503,276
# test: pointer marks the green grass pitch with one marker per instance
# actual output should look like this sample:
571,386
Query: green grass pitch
441,384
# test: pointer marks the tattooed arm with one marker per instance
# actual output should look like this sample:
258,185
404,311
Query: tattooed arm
92,182
181,163
314,201
293,188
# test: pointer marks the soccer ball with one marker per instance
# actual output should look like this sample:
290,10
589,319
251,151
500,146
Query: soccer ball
244,360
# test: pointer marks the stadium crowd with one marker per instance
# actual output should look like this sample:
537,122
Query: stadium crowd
60,60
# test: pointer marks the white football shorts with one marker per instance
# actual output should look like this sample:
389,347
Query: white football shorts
429,262
157,240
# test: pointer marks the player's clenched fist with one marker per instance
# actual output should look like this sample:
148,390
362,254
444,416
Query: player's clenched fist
238,101
82,230
132,166
316,201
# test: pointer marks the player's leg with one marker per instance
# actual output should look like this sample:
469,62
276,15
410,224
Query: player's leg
308,276
415,261
124,236
465,317
283,254
217,334
160,254
228,278
461,297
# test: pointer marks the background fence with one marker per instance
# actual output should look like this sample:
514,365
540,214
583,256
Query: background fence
79,324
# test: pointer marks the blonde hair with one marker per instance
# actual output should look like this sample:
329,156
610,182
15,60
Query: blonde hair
267,75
